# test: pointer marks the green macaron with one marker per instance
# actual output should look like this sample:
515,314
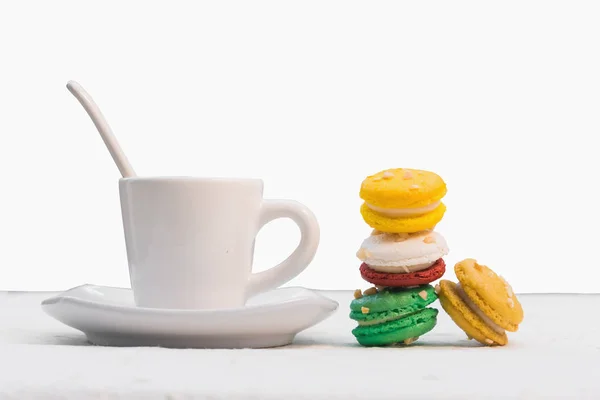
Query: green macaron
394,315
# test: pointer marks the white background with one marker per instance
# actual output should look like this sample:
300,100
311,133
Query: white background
502,99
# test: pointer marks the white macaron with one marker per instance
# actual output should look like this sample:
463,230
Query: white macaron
397,253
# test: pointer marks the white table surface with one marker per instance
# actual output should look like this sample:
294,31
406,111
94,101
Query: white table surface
556,354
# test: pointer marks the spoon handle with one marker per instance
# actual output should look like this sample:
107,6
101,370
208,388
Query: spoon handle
103,128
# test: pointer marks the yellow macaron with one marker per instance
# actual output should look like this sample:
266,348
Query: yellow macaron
483,304
403,200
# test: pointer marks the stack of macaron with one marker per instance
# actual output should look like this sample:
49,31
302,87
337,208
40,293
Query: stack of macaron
401,257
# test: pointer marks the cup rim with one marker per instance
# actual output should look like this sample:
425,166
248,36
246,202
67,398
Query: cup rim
183,178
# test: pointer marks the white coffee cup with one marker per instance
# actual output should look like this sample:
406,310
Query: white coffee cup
190,241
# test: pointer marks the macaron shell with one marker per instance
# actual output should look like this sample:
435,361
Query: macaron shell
422,277
492,294
413,224
402,188
400,301
466,319
397,331
391,250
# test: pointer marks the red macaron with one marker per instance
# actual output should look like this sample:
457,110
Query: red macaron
423,277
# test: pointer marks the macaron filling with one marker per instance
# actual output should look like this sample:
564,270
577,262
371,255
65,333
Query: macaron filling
403,212
380,320
473,307
401,268
380,317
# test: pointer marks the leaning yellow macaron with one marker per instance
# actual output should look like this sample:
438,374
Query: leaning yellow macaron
483,304
403,200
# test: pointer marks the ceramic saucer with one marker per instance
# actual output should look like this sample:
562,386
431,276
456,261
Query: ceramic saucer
109,317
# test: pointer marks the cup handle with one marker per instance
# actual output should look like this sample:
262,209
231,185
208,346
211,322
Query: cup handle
300,257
